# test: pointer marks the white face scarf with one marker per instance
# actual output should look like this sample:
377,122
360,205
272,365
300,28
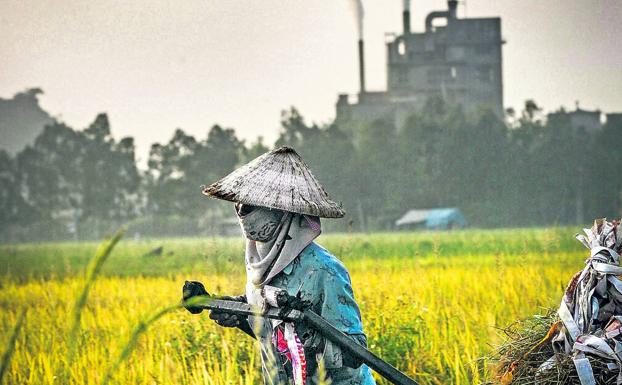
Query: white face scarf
274,239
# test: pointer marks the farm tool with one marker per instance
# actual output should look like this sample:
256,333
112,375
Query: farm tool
290,310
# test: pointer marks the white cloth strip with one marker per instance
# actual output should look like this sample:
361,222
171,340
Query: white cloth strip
606,268
569,323
584,370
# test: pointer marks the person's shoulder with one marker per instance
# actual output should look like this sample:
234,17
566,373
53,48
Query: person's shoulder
317,253
323,259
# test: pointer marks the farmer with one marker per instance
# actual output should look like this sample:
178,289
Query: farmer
279,204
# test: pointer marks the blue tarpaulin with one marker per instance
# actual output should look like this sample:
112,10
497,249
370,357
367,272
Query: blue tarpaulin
433,219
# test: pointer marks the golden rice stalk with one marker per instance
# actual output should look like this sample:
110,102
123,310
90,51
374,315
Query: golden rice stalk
139,329
8,353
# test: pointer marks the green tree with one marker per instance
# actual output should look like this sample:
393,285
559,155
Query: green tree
50,172
254,150
13,208
177,170
168,193
103,159
79,181
330,155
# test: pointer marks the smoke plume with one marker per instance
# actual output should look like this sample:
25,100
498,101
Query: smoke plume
406,5
357,7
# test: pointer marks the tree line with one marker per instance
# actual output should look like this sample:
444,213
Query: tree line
521,171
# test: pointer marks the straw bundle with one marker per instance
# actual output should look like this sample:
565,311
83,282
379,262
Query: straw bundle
582,342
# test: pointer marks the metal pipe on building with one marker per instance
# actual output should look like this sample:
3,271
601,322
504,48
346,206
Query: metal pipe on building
452,5
362,65
450,14
434,15
406,21
406,17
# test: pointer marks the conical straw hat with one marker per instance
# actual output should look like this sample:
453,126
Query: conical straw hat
278,179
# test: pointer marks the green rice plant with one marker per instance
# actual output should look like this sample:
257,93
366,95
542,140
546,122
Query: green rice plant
92,271
10,348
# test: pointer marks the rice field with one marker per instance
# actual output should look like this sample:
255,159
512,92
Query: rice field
432,304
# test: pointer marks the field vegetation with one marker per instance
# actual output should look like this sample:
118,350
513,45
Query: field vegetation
432,304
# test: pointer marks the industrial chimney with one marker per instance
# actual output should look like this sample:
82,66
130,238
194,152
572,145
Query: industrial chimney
359,13
362,64
406,17
452,5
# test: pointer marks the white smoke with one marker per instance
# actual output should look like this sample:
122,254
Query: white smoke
357,7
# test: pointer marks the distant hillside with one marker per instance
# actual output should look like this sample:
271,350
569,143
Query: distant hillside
21,120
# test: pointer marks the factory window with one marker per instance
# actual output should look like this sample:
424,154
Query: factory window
401,47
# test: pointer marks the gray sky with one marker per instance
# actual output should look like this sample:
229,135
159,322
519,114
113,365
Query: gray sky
157,65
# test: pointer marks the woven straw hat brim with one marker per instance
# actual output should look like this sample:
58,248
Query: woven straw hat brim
279,179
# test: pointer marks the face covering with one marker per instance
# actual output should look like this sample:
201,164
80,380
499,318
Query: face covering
258,223
274,238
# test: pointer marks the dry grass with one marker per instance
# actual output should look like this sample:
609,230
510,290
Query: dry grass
526,348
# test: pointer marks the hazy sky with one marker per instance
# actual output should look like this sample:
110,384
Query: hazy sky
157,65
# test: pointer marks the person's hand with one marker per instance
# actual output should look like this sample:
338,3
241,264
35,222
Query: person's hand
228,320
193,289
289,302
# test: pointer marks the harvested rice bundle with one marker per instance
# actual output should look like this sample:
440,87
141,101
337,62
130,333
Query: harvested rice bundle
581,343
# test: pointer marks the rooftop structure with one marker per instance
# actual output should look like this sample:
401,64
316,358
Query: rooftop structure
580,119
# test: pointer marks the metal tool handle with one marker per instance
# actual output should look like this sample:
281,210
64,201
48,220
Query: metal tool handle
244,309
318,323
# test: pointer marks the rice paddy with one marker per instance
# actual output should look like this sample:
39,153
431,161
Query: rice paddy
432,304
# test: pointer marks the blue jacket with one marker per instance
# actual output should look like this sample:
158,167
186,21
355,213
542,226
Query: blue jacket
317,276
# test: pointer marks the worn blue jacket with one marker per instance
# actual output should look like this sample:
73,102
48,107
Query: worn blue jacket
317,276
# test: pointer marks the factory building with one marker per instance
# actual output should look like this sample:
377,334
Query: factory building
459,61
581,120
587,121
